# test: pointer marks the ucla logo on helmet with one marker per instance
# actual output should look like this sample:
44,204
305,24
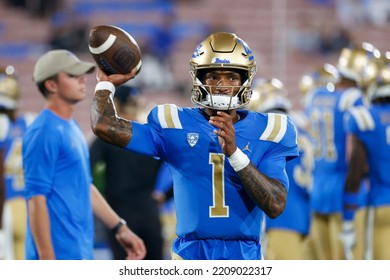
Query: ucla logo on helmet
197,51
247,49
220,60
192,138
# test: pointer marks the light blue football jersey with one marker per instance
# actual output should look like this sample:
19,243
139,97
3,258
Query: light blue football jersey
13,163
209,198
5,127
372,126
296,215
326,112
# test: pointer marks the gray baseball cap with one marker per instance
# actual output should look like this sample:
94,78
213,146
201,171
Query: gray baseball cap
56,61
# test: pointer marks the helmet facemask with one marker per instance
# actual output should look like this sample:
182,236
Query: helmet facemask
222,51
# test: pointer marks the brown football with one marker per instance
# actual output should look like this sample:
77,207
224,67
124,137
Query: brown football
114,50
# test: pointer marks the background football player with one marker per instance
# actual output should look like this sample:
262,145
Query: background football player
369,130
286,235
327,108
14,213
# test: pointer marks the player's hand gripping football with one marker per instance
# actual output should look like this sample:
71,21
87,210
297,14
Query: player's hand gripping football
116,79
226,133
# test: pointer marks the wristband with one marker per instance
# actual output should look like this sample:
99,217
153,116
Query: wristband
116,228
348,214
105,85
348,226
238,160
350,201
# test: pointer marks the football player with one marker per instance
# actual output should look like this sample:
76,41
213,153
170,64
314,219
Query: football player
9,91
6,82
367,61
228,164
14,212
327,109
369,129
286,235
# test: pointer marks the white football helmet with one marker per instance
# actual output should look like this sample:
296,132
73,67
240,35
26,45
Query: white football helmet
222,51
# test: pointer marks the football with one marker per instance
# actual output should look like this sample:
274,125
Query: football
114,50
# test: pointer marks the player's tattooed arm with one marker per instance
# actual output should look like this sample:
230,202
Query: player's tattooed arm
105,122
269,194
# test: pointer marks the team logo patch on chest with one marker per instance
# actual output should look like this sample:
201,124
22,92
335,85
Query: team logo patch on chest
192,138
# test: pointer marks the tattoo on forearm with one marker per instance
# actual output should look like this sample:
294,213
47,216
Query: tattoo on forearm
269,194
105,122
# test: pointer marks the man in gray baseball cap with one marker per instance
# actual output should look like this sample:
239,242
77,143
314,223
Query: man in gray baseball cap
56,61
61,197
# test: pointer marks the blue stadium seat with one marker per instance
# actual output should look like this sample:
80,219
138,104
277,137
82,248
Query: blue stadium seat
181,29
20,50
90,8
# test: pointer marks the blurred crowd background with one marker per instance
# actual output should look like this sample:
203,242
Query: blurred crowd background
289,38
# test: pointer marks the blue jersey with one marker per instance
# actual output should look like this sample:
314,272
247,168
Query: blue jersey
372,126
164,179
5,128
296,215
164,184
326,113
209,198
13,171
56,165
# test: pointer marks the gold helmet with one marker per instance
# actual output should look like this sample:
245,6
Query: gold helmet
322,76
9,88
222,50
380,87
360,64
269,95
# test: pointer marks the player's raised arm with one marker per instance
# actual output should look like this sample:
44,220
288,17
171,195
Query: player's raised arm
105,122
119,59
